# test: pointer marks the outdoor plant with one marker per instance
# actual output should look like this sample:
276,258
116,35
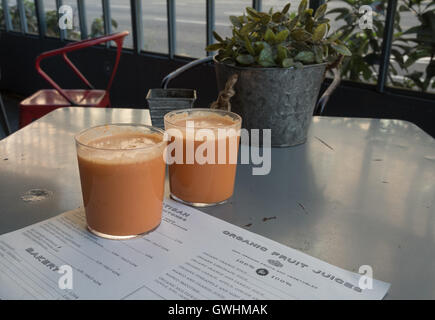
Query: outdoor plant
280,39
408,45
29,8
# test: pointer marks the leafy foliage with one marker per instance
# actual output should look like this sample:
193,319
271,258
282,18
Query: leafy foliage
97,27
407,46
279,39
51,20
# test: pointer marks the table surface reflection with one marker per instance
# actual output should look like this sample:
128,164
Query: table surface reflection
359,192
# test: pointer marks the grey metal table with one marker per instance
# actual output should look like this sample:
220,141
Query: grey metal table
359,192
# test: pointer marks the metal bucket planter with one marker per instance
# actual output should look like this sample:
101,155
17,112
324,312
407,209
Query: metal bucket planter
279,99
162,101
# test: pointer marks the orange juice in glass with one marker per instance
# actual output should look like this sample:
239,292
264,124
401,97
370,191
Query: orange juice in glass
122,173
192,180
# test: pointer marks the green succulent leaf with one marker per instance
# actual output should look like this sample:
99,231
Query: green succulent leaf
302,7
320,32
318,54
242,19
265,18
322,20
258,46
277,17
281,53
300,35
341,49
245,59
299,65
265,58
287,63
335,36
309,12
309,24
214,47
235,21
252,13
320,12
237,34
282,35
249,47
217,37
248,28
293,23
306,57
286,8
269,36
325,50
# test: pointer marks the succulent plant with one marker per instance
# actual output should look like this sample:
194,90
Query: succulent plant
279,39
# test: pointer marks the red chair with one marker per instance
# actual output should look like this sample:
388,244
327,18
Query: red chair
44,101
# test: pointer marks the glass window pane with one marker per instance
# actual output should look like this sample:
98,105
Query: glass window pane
94,18
365,44
334,8
155,26
74,33
225,9
191,28
15,15
29,7
2,17
51,18
412,61
121,19
31,20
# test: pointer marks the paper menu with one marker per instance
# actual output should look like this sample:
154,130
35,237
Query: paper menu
191,255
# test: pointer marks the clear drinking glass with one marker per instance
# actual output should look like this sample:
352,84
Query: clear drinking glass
202,159
122,173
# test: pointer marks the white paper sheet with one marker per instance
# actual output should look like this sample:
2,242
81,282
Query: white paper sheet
192,255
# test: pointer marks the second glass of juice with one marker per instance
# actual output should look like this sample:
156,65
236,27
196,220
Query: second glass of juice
203,168
122,174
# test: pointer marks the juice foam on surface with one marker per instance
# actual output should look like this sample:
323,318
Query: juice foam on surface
123,147
126,141
205,121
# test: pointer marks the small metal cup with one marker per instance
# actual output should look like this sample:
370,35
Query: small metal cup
162,101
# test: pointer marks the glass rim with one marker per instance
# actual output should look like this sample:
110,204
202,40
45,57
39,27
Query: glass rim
158,130
229,113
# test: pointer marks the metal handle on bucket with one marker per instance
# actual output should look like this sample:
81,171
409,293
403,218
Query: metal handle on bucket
184,68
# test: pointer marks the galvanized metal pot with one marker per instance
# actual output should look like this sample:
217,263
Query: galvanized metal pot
275,98
162,101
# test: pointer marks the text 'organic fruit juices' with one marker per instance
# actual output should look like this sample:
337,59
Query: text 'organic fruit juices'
122,173
202,155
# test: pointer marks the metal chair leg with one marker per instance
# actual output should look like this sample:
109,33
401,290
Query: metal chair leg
4,118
